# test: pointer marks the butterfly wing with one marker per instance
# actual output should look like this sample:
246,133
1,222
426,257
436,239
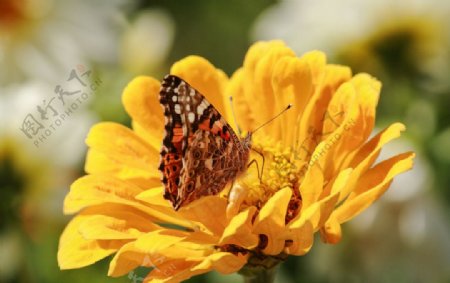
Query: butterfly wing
172,145
200,152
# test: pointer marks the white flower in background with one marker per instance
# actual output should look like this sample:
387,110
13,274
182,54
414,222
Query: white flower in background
64,146
43,39
146,42
329,25
50,159
34,179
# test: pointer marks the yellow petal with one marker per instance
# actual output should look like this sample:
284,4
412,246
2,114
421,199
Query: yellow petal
242,107
174,271
357,128
75,251
312,118
338,135
372,185
239,230
153,138
294,82
158,240
126,259
223,262
140,99
131,256
129,156
364,157
154,196
331,232
101,163
301,237
328,202
97,162
109,222
98,189
312,184
271,221
310,219
205,78
208,212
301,229
178,270
259,68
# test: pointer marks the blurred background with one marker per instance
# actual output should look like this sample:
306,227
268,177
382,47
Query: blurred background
64,64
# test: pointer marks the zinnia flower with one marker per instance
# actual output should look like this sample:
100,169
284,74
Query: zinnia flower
319,171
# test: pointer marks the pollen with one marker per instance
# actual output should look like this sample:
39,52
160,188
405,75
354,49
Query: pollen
280,171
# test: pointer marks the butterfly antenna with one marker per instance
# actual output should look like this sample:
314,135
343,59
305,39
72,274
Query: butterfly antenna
234,115
276,116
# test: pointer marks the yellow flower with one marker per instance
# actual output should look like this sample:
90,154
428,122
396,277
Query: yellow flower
319,171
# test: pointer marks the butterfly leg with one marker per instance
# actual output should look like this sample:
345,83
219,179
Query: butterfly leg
253,161
263,162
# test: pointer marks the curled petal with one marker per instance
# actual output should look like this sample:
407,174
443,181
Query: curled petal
239,230
366,155
372,185
271,221
331,232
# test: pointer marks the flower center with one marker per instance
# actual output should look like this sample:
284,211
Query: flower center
281,169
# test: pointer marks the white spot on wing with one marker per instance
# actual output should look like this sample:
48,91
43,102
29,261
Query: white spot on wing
208,164
177,109
200,109
191,117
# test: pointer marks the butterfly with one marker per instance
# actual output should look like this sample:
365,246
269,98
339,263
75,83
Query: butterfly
200,152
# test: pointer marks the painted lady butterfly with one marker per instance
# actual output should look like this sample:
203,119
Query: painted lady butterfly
200,153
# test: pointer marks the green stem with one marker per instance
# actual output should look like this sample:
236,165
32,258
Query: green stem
261,269
259,275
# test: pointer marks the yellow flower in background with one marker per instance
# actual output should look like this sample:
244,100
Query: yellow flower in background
319,171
